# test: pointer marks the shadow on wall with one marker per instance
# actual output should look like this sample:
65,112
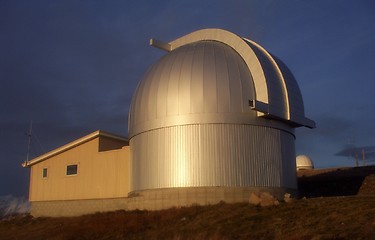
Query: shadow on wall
336,182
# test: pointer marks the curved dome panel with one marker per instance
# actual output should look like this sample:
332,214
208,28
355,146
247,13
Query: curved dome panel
304,162
202,82
296,106
278,100
277,94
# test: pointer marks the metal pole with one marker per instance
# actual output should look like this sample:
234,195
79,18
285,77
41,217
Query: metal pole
29,143
363,157
356,158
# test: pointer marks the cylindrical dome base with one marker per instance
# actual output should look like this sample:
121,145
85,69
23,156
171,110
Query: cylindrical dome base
158,199
211,155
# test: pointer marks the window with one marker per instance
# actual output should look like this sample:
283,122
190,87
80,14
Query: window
251,103
45,173
72,169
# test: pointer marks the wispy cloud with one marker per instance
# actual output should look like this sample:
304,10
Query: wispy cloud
358,152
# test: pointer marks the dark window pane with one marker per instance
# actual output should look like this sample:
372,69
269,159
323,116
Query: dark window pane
45,172
71,169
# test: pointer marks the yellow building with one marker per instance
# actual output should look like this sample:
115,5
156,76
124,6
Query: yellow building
93,168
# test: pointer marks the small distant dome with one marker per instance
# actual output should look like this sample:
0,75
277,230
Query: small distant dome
304,162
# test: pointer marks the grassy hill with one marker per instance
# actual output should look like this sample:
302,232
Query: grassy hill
339,204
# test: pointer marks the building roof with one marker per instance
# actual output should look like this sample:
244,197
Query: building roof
215,76
73,144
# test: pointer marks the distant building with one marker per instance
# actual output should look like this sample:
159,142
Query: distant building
304,162
213,120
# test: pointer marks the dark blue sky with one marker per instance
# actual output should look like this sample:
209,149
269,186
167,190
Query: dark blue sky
71,67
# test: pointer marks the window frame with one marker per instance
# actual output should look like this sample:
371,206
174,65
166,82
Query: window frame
72,174
44,172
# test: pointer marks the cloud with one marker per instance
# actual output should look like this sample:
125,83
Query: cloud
325,143
350,150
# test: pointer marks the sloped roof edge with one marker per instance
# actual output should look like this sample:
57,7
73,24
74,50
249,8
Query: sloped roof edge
71,145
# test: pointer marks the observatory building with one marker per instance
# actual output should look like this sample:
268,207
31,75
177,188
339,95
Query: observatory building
303,162
212,120
217,113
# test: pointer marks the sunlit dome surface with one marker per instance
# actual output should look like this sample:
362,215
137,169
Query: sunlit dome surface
215,110
304,162
197,83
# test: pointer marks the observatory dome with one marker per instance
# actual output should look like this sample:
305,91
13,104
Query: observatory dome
201,82
217,110
207,81
304,162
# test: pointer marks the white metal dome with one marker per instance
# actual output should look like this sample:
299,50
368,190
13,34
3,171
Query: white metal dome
216,110
201,82
304,162
213,75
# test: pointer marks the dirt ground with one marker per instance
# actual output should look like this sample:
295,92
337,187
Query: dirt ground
336,181
334,204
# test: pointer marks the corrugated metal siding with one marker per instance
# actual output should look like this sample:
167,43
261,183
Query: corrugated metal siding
289,162
213,155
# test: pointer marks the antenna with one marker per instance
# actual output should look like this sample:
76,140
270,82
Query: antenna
29,141
353,150
363,157
356,159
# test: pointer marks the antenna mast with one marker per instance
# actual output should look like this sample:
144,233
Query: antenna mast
363,157
29,143
356,158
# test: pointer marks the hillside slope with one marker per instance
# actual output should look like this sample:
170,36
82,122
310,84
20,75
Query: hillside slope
351,216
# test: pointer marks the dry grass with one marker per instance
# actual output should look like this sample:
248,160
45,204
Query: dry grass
338,217
351,217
